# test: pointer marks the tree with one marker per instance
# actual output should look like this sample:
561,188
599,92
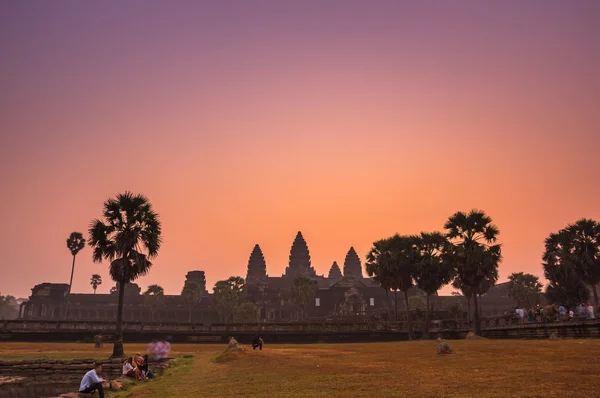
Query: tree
95,281
303,292
9,307
394,260
566,286
114,290
128,236
228,294
432,271
192,293
417,303
154,296
75,243
473,251
585,240
453,304
570,293
375,266
524,289
467,292
247,312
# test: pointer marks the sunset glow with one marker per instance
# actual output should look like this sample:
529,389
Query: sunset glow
349,121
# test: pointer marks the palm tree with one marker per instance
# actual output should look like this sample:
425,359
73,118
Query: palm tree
473,251
585,241
154,296
192,293
95,281
375,265
303,291
128,236
432,272
396,259
75,243
467,292
565,285
228,294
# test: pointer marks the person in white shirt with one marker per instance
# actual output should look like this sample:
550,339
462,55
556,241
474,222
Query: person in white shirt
92,381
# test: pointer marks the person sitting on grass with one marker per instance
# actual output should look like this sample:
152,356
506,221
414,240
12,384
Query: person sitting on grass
130,369
91,381
142,364
257,342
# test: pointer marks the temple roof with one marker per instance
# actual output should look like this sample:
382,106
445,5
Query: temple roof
352,265
334,271
257,266
299,258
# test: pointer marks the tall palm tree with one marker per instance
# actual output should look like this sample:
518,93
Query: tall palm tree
432,272
585,240
467,292
473,251
95,282
154,296
75,243
560,269
376,269
128,236
396,258
192,294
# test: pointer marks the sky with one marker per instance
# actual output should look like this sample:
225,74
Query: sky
245,122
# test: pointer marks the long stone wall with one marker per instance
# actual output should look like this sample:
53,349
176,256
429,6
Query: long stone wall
59,369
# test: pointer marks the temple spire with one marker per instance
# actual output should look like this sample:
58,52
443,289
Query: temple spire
334,271
257,267
299,259
352,266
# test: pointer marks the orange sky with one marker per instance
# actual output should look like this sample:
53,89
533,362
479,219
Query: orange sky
246,125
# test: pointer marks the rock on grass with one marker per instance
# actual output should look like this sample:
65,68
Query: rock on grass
473,336
444,348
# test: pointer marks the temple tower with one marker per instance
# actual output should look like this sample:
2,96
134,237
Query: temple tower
299,259
198,277
352,266
334,271
257,267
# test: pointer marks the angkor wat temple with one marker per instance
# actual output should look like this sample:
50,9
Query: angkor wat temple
338,295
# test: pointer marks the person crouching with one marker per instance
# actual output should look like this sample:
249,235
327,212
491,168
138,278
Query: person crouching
257,342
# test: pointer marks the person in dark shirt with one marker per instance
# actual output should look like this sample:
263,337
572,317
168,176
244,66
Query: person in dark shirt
257,342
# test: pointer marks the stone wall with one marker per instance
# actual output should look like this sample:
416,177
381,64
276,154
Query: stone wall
59,369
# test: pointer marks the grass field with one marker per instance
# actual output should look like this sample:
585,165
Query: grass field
482,368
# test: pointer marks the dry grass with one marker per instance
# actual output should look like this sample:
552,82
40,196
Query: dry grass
483,368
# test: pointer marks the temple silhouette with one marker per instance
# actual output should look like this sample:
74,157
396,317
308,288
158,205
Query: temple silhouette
347,295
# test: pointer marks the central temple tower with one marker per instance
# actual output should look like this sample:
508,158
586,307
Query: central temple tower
352,266
299,259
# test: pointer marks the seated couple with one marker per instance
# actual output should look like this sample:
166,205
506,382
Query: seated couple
137,367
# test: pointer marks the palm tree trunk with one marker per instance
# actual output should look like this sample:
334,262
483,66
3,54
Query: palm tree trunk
94,290
72,271
469,310
595,295
477,321
69,294
118,345
409,323
426,329
396,303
